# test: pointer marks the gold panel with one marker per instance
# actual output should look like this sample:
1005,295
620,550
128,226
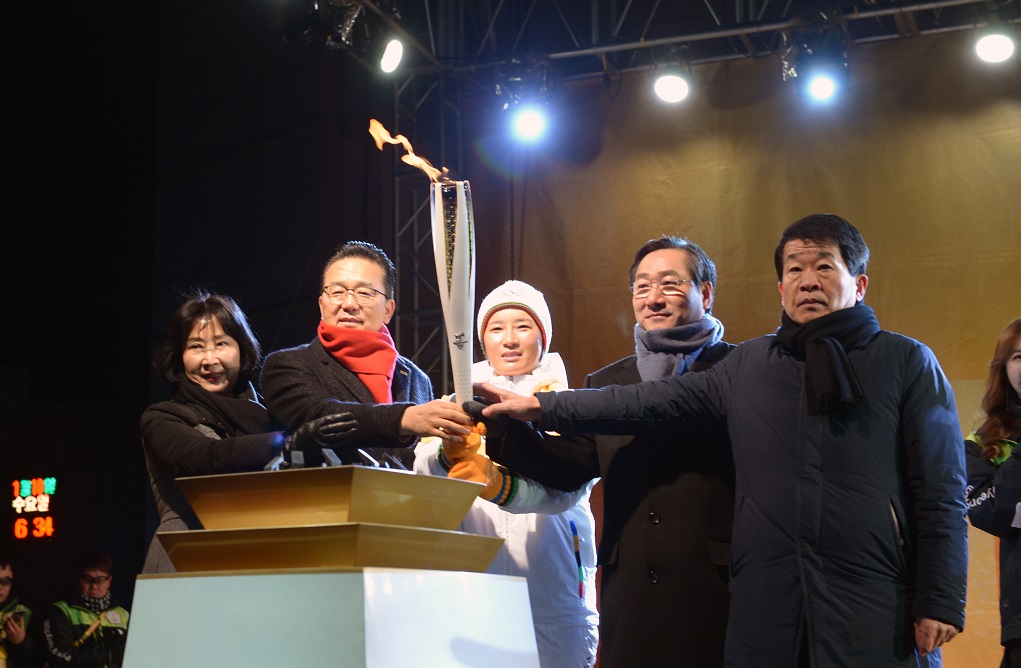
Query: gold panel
332,495
351,545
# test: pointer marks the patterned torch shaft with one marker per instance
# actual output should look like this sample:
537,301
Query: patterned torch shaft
453,232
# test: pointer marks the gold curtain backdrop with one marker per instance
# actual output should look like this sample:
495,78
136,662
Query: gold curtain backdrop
922,154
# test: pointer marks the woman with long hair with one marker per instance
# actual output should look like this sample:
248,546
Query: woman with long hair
994,480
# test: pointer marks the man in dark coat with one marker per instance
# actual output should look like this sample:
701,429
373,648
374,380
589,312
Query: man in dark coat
353,367
850,537
667,511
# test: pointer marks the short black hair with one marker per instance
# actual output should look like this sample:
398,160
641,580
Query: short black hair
370,252
700,265
95,560
201,305
826,228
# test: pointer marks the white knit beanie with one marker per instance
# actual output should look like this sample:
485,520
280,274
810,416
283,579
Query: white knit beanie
515,294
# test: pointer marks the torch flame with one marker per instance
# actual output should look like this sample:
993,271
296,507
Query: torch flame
381,135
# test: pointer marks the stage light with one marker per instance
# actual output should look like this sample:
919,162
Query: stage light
817,62
995,43
529,123
391,56
526,88
319,25
671,84
821,81
671,77
342,16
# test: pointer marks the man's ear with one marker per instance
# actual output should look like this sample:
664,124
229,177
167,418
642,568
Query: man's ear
861,284
388,313
707,296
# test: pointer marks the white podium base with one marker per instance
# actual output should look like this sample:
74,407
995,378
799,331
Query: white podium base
359,618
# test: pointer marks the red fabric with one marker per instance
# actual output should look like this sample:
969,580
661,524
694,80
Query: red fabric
371,356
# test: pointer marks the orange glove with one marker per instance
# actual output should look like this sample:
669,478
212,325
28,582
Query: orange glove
455,451
501,486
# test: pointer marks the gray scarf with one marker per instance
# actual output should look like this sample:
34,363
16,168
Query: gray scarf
672,351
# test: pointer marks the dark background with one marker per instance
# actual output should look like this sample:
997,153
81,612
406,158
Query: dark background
151,149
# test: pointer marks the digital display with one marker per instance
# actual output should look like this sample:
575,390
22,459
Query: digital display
32,500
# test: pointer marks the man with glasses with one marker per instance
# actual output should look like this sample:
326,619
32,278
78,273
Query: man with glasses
88,630
667,501
352,369
17,646
850,536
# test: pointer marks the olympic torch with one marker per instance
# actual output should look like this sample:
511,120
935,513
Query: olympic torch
453,232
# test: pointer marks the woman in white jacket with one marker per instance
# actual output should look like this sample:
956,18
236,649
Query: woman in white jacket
549,535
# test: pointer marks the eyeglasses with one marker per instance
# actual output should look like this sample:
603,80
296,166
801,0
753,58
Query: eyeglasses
98,580
668,287
364,295
6,582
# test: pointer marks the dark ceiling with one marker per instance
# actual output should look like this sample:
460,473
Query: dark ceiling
476,41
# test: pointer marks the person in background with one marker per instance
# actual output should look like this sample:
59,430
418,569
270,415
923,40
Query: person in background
549,536
668,500
17,644
994,480
214,421
88,630
353,368
849,545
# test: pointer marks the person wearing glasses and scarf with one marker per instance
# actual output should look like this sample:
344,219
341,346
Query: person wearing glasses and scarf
17,641
664,550
353,367
88,630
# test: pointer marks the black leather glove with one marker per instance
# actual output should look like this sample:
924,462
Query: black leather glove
304,448
496,427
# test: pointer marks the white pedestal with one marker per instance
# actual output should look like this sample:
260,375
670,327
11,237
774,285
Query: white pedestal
359,618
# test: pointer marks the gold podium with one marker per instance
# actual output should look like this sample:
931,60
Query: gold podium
345,566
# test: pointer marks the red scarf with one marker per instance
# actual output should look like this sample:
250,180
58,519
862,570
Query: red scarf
372,356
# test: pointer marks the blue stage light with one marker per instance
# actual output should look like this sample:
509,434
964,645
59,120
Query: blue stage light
816,60
528,122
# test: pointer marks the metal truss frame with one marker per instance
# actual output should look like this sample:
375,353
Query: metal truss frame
460,48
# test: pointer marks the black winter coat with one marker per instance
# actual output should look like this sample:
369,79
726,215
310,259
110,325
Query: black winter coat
188,436
306,382
846,528
668,504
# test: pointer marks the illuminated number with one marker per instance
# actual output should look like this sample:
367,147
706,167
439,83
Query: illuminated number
20,527
17,488
38,486
43,526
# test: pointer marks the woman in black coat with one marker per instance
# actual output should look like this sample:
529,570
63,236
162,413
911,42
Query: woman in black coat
215,421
